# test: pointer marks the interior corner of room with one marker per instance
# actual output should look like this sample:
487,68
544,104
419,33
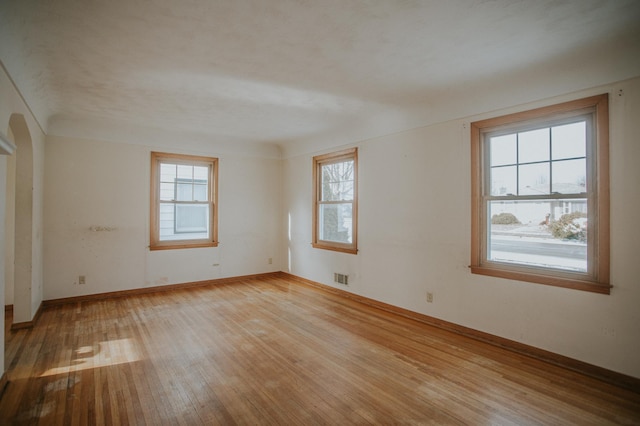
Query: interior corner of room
80,119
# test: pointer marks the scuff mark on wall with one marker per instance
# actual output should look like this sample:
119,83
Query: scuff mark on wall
102,228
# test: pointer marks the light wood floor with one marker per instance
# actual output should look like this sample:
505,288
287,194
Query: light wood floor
278,352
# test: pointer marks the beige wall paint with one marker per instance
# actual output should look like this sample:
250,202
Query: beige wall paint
3,192
9,225
413,185
414,237
94,184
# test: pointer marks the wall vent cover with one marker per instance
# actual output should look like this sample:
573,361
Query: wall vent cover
341,278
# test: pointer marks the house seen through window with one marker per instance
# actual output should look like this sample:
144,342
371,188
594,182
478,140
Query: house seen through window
540,195
183,201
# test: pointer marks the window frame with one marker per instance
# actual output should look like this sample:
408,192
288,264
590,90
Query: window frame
158,158
318,162
596,279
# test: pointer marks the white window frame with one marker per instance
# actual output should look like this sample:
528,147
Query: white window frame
596,278
158,158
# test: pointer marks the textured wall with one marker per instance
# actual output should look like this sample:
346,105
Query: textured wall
11,103
414,237
97,220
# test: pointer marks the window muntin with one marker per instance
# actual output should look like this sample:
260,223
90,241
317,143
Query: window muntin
183,207
335,205
540,195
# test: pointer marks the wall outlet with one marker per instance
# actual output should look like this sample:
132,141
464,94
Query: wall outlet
270,260
429,297
82,280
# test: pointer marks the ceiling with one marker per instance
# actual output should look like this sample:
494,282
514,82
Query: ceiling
293,71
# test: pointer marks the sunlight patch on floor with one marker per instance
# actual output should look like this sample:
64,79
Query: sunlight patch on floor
102,354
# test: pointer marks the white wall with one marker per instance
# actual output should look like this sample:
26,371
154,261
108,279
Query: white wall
414,237
3,198
11,103
9,225
95,184
37,277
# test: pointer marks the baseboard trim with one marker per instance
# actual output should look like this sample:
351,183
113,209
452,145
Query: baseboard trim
28,324
600,373
156,289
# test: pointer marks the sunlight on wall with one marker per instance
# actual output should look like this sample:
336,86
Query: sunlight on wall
289,244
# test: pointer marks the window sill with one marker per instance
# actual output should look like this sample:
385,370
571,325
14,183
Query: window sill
348,250
182,246
552,280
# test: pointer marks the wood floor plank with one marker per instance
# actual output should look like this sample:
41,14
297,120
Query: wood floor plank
272,351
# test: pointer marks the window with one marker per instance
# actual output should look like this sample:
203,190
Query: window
183,201
540,195
335,179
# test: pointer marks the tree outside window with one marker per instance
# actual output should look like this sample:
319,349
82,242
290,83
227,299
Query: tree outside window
335,205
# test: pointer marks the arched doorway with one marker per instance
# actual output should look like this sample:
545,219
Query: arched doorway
19,221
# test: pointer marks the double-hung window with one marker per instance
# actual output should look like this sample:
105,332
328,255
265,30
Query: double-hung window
183,201
540,195
335,212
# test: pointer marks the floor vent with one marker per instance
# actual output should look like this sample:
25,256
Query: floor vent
341,278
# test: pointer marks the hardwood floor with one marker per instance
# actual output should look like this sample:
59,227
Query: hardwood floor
273,351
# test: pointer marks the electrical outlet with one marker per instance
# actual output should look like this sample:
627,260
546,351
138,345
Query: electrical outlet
82,279
429,297
270,260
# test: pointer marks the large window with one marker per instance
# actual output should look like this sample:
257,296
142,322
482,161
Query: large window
183,201
540,195
335,179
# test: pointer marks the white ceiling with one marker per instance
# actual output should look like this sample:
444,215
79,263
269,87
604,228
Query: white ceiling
294,71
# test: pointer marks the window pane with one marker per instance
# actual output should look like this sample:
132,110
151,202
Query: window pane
549,233
570,176
569,141
503,150
330,191
533,146
167,215
533,179
336,222
184,221
337,181
185,172
504,180
200,192
168,172
337,191
184,191
167,191
191,218
200,173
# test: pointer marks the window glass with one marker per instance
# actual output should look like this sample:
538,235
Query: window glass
533,146
183,203
540,200
569,176
503,150
569,141
335,209
535,233
504,180
533,179
336,223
